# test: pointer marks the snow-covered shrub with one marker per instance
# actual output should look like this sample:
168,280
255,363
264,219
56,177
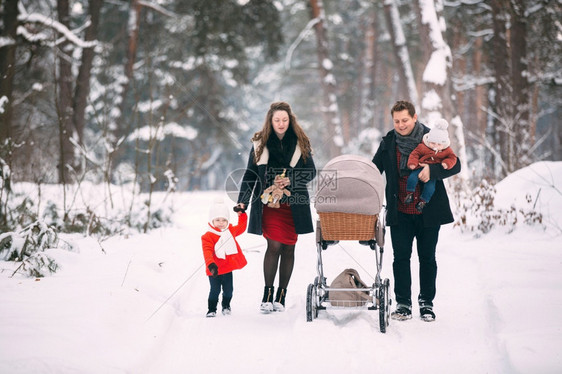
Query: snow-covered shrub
51,215
36,264
28,248
82,221
19,212
160,217
478,214
171,180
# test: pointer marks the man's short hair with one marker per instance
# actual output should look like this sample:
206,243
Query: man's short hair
401,105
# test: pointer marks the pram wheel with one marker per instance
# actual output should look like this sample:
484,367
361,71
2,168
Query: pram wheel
311,300
384,305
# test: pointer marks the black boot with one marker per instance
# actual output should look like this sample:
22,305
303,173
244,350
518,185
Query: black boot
267,300
212,308
279,303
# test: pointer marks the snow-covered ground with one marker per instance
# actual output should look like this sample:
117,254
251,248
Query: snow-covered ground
137,305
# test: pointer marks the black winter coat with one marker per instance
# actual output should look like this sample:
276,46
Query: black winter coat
437,211
257,178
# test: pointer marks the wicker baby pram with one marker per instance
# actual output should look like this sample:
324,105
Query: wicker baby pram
349,202
349,199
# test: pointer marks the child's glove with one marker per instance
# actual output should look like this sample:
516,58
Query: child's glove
214,269
238,208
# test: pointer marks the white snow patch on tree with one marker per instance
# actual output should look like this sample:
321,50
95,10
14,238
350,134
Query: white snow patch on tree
456,123
148,106
436,69
6,41
431,101
3,101
338,140
183,132
147,133
432,105
330,79
229,78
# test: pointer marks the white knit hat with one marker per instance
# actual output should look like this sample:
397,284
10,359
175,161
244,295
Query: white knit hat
439,134
219,210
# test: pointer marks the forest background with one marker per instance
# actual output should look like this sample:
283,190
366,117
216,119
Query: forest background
166,94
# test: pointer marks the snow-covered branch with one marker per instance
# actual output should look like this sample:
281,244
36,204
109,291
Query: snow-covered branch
158,8
55,25
302,35
470,82
482,141
6,41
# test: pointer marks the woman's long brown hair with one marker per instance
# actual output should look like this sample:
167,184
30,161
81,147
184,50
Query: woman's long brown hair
263,135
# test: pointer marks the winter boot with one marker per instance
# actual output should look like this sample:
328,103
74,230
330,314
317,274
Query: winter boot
409,198
279,303
212,308
420,205
267,301
402,313
226,306
426,313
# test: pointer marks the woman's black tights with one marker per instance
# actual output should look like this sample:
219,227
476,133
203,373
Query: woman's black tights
278,251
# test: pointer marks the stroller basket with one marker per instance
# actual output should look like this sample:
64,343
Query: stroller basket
347,226
347,303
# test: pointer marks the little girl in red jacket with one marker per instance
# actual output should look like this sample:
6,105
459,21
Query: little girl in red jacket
222,254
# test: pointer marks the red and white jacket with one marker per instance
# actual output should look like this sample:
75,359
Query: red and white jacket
231,261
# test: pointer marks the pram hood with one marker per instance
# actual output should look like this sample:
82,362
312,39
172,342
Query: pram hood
350,184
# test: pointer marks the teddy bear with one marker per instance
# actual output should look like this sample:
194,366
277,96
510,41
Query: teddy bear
273,194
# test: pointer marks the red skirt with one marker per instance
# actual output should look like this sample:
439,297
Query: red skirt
277,224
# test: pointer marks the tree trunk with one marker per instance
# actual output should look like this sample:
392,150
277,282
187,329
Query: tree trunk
64,98
524,139
502,103
460,70
420,64
84,72
479,97
7,69
334,136
366,110
407,82
132,43
437,100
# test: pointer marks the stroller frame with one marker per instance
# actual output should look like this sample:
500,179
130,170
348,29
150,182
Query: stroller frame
318,292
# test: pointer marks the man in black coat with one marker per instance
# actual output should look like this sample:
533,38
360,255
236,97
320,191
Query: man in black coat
405,221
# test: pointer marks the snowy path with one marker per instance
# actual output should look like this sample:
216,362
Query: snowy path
469,334
498,308
338,341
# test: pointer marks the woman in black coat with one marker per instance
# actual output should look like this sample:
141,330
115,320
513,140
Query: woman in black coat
281,157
